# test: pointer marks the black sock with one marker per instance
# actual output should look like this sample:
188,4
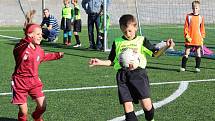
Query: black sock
198,61
130,116
184,62
149,115
77,39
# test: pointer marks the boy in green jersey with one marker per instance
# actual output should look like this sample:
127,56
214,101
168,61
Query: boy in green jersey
132,81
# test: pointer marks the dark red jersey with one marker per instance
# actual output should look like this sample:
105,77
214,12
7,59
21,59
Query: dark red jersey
28,59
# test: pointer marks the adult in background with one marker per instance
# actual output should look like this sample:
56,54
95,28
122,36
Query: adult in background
50,27
93,9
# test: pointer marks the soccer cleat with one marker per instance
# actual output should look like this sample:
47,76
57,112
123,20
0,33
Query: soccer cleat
197,70
182,69
68,44
77,45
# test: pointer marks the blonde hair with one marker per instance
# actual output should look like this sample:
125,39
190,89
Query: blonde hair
29,17
195,2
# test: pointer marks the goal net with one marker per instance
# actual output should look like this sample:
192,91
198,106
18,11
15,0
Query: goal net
158,19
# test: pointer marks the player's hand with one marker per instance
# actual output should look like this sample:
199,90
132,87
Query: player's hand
170,43
61,54
94,62
188,38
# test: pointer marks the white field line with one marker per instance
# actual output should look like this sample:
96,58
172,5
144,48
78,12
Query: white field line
181,89
9,37
105,87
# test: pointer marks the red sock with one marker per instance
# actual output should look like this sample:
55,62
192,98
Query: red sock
22,117
38,113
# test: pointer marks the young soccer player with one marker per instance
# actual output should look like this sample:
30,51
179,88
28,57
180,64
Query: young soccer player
133,83
77,23
25,80
194,34
66,22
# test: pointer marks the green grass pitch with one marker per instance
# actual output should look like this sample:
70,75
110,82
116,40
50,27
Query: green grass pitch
197,103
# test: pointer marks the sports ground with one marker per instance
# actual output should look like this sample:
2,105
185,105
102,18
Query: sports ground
77,92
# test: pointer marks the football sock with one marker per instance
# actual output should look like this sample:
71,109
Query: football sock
184,62
22,117
77,39
130,116
149,115
198,61
38,113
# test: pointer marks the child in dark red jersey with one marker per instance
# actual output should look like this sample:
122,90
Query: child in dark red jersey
25,80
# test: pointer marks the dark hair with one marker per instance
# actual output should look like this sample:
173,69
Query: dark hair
45,9
126,20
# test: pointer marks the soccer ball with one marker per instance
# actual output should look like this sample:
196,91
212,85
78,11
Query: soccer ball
129,58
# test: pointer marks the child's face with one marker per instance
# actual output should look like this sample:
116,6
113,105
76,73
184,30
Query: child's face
66,3
37,36
73,2
196,9
129,31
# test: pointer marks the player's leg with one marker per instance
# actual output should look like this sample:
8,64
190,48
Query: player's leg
125,97
129,111
77,28
40,108
69,37
185,58
198,58
78,42
65,41
38,96
147,108
23,112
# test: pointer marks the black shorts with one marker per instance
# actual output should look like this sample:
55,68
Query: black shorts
77,25
192,46
66,24
132,85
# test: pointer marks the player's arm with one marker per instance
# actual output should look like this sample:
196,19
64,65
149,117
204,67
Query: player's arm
52,56
169,43
186,30
158,52
98,62
202,28
108,62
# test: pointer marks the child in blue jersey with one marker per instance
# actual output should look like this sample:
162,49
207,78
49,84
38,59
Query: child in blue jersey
132,81
66,22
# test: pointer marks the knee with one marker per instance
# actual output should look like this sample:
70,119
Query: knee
146,104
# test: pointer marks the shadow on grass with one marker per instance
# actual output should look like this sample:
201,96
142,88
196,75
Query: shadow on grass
7,119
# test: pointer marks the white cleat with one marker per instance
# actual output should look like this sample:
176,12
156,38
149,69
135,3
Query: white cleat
197,70
182,69
77,45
